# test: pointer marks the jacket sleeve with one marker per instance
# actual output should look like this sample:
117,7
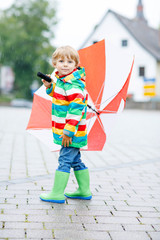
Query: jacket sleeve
50,90
77,103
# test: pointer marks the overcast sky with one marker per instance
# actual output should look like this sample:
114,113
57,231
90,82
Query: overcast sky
76,19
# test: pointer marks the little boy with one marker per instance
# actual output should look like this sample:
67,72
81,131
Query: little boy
69,107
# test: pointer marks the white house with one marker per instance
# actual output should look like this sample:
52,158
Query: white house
137,37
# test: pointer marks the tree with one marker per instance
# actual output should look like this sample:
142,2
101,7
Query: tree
26,31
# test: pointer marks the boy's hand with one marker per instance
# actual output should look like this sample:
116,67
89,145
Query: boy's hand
47,84
66,140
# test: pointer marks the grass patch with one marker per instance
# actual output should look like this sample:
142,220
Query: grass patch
5,98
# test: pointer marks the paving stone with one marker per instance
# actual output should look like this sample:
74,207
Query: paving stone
86,202
9,218
39,234
122,220
81,235
103,227
137,209
150,214
71,207
63,226
125,214
34,207
116,203
101,196
23,225
83,219
61,212
129,235
99,208
11,233
154,235
16,201
149,220
25,211
8,206
93,213
138,227
143,204
48,218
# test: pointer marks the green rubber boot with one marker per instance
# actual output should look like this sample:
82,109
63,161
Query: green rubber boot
83,192
57,193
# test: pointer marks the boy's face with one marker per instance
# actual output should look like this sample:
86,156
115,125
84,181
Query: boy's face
65,65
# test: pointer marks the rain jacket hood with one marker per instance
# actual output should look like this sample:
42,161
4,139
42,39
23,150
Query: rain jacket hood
76,77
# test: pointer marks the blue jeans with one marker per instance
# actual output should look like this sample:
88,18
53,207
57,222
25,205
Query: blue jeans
70,157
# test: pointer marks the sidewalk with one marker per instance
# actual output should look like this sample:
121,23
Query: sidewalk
125,182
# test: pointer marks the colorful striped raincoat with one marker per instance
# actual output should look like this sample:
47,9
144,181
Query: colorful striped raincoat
69,107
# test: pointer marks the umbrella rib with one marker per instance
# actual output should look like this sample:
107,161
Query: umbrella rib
100,123
99,93
108,98
90,119
108,111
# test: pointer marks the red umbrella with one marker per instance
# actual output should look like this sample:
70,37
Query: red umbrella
107,81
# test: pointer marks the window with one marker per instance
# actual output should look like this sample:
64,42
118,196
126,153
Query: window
142,71
124,43
95,42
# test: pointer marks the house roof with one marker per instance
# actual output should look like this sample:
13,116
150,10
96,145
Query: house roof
147,37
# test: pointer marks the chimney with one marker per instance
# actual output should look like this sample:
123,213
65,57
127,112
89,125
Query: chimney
140,15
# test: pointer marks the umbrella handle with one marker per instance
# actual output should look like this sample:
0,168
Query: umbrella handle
43,76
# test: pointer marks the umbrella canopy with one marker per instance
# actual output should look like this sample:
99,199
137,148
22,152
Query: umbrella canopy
107,90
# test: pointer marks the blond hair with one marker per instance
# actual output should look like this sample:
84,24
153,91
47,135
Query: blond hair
65,51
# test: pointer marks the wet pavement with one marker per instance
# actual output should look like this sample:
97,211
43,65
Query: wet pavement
125,183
